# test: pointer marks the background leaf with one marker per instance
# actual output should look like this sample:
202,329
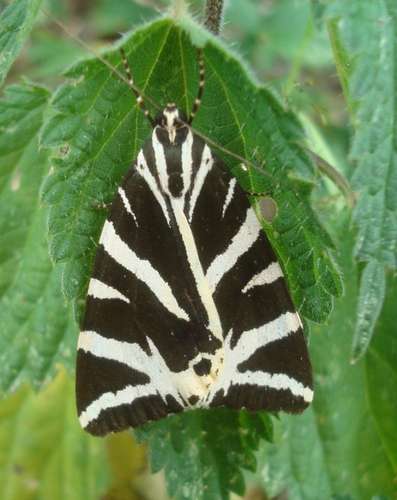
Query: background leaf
16,22
109,16
203,452
36,326
44,453
370,301
381,375
365,47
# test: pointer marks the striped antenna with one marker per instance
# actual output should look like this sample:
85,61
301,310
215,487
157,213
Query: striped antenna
197,102
139,97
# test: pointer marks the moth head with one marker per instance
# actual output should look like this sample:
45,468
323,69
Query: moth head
171,119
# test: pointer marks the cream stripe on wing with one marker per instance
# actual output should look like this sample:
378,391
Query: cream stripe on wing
141,268
249,342
229,195
278,381
126,203
214,322
100,290
187,161
162,382
265,277
144,171
161,162
114,399
132,355
205,166
242,241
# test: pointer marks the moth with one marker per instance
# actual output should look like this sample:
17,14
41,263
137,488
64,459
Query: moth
187,306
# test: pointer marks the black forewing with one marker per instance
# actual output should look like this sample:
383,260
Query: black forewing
214,229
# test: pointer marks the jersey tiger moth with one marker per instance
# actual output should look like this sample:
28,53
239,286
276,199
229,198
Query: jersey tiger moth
187,306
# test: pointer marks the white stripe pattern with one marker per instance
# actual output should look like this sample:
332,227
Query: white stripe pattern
206,164
126,204
161,163
162,381
272,273
143,170
214,324
187,162
229,195
114,399
141,268
100,290
242,241
252,340
278,381
248,343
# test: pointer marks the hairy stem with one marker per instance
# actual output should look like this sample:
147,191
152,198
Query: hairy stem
213,15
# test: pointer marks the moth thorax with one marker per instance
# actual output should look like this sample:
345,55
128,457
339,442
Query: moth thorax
172,132
171,119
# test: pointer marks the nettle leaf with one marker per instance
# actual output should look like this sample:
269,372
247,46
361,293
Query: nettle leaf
371,296
44,453
373,54
381,370
365,47
16,22
96,131
345,445
204,451
36,327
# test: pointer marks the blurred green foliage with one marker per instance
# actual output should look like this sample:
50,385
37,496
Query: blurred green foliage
327,67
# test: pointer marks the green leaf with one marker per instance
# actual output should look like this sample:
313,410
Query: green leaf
364,40
318,9
298,238
372,85
109,17
204,452
370,301
36,327
381,370
96,130
48,55
44,452
16,22
296,462
344,446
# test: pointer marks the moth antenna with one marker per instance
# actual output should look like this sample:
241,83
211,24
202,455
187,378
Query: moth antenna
139,97
197,102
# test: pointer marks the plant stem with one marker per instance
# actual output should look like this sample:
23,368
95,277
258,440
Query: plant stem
335,176
213,15
179,8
